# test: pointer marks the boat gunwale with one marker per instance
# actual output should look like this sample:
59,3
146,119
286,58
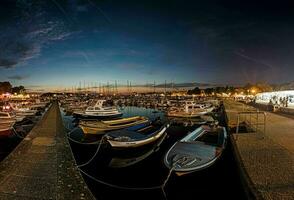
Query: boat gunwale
181,171
109,128
138,142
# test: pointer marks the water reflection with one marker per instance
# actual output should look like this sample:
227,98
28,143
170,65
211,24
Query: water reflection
119,160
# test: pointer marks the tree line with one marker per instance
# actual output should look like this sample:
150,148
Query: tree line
247,89
7,87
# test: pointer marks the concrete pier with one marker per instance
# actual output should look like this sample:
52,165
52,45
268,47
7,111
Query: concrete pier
266,158
42,165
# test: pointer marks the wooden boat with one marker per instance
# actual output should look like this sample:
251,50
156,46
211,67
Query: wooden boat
129,138
5,127
198,150
201,120
130,159
190,111
25,112
94,127
6,118
99,111
6,121
21,111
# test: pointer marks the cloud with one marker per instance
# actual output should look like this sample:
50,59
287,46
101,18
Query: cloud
82,54
107,54
16,51
23,37
6,63
18,77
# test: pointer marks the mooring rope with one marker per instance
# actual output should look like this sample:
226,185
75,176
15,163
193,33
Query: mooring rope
89,161
161,186
67,125
82,143
118,186
17,134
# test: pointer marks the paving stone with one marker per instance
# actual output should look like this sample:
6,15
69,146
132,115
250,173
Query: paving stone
267,158
42,165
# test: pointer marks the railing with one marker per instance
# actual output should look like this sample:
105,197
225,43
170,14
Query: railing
254,119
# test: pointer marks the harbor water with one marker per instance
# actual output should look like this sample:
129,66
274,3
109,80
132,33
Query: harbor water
140,173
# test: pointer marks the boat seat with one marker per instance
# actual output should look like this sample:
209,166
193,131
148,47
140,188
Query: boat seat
206,152
126,133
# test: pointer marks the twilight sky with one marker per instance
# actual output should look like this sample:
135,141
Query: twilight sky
58,43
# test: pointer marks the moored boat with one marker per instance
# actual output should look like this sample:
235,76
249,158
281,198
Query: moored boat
128,138
190,111
6,118
99,111
196,151
96,127
6,127
6,122
22,111
201,120
128,159
26,112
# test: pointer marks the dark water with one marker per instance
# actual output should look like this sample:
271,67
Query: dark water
123,173
7,144
10,139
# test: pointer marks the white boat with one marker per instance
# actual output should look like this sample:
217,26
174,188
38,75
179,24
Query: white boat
128,138
196,151
201,120
5,118
99,111
128,159
25,112
6,121
22,111
38,105
190,110
96,127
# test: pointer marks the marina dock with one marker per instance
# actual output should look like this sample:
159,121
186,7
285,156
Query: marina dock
42,165
266,156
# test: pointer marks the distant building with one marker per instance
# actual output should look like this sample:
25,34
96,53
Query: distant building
179,93
276,97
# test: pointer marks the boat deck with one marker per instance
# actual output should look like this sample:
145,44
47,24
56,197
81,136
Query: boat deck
42,165
266,159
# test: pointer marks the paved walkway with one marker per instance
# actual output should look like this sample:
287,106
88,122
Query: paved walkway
42,165
266,159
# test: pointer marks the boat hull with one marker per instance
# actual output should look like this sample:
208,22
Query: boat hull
98,127
191,154
192,114
137,143
100,117
6,127
5,133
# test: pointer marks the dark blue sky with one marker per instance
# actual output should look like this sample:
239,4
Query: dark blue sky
57,43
